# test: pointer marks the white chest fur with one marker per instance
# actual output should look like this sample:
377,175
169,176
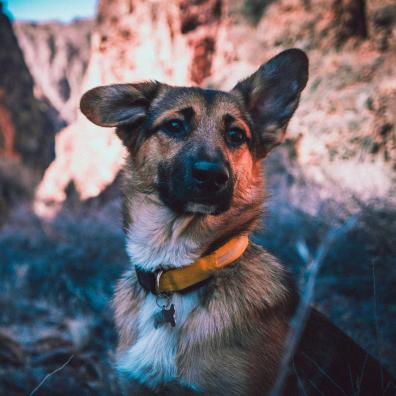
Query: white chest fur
152,358
158,237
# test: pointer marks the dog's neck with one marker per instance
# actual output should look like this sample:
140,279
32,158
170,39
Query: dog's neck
157,237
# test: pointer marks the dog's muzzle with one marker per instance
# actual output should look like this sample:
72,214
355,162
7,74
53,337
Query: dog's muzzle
196,185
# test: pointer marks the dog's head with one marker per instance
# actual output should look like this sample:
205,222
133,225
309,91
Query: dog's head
198,148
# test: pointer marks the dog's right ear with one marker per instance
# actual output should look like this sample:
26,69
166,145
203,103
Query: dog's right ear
119,104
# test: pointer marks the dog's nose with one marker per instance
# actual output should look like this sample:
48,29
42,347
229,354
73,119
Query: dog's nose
210,175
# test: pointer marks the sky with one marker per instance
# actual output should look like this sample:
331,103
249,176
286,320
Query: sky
44,10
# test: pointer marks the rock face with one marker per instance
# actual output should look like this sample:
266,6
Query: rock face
131,41
57,55
25,131
345,120
26,134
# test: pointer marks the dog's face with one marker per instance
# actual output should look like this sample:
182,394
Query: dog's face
197,148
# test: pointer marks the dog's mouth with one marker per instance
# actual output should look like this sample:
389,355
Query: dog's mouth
195,207
188,201
200,208
185,198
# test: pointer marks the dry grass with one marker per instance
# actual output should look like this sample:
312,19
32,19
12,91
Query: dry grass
57,278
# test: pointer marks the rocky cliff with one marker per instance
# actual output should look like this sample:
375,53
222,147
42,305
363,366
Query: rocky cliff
57,55
131,41
26,133
345,120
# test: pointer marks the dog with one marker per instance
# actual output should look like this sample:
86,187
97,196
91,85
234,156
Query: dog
203,310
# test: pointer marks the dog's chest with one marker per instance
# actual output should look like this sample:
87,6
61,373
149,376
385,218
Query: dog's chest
151,360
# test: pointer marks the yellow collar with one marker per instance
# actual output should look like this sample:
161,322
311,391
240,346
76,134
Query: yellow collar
181,278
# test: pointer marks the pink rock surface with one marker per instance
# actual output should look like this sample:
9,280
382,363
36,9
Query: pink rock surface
345,125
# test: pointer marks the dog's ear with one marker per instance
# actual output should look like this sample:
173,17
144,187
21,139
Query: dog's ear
119,104
271,96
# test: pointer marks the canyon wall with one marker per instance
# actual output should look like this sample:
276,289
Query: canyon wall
26,133
344,131
57,55
132,41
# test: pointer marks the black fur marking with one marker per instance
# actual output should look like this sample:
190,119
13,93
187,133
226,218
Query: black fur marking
177,188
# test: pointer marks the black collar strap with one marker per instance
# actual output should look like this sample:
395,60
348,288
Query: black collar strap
146,279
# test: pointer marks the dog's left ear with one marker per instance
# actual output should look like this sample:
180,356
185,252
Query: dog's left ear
271,96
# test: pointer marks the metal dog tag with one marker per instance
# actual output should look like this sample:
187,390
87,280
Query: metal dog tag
165,316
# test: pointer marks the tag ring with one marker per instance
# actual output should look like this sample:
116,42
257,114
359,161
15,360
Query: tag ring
157,282
166,300
160,294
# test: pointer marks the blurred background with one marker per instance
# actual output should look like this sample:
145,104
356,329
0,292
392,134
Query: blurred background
61,240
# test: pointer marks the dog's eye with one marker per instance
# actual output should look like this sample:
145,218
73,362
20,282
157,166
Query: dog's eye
173,127
235,137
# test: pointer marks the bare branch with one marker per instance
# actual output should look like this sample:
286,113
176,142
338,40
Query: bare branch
50,374
299,319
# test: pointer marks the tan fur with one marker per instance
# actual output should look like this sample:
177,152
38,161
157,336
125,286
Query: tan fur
232,305
243,304
229,333
126,300
141,170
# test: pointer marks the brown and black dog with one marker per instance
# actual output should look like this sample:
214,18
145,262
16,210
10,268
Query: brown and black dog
193,186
